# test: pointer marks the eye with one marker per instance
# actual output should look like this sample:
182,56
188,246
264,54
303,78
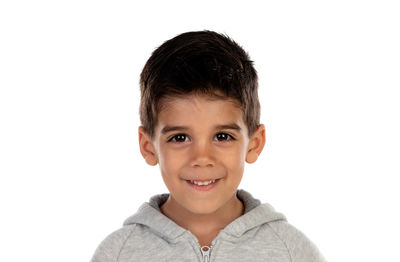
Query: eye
223,137
179,138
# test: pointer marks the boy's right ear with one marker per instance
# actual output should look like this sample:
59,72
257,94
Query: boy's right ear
146,147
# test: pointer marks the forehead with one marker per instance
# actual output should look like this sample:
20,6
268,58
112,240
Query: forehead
199,110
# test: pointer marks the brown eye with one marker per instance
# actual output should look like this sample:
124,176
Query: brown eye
178,138
223,137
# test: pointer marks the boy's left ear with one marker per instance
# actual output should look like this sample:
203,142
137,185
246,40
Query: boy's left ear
256,144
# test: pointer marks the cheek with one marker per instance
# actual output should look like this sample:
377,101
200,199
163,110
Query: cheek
169,161
235,157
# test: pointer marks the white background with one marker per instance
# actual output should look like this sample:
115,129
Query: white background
70,166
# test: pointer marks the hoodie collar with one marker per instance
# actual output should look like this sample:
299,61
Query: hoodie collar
255,214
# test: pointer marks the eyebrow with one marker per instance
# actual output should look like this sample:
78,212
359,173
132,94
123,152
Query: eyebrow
167,129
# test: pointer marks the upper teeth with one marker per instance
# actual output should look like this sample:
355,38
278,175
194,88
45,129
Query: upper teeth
202,183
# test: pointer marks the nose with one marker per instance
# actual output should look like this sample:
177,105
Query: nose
203,155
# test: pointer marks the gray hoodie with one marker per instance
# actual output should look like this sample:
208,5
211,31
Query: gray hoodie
260,234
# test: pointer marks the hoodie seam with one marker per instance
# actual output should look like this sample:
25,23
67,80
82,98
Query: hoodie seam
123,244
283,241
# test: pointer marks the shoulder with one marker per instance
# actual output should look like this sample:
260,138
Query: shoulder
111,247
300,248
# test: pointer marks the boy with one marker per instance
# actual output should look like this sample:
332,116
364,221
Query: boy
200,123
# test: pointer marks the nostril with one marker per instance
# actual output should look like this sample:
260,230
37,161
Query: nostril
203,165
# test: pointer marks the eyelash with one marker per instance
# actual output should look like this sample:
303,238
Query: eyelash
229,138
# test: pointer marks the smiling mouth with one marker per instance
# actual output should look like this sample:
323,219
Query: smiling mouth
203,183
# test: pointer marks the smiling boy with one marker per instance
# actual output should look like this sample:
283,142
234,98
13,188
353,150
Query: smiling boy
200,123
201,141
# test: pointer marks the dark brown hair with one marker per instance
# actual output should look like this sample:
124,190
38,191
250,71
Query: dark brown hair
202,62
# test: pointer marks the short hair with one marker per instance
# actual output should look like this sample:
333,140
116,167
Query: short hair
200,62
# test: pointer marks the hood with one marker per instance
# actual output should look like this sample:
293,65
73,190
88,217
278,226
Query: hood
255,214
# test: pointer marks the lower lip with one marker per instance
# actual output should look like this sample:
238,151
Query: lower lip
205,187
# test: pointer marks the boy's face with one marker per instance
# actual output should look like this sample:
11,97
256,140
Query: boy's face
201,139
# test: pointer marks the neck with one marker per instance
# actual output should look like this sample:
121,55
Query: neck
204,226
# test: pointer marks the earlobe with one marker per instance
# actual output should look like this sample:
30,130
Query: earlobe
146,147
256,144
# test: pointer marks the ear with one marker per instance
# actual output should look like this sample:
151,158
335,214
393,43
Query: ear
146,147
256,144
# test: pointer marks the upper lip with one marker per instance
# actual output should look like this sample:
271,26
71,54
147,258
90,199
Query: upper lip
202,180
